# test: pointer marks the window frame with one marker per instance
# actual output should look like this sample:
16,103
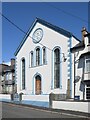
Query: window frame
32,58
86,71
38,56
44,55
56,66
23,73
88,93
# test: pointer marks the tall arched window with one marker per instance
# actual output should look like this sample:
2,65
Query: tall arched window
44,55
37,56
31,58
23,73
57,68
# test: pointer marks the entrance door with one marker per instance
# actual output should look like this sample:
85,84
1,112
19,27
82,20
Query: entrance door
37,85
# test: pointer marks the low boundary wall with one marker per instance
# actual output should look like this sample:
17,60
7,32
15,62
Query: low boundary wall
72,105
43,98
37,100
5,97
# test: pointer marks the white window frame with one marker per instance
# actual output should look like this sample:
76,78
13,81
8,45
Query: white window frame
32,58
87,71
6,76
44,55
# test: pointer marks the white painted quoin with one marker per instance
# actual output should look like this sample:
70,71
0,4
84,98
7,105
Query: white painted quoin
82,66
38,77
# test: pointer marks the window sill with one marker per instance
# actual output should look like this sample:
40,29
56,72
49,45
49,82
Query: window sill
38,66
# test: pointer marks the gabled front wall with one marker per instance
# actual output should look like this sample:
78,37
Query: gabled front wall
50,40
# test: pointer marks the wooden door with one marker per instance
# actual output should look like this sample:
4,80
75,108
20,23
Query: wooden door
38,86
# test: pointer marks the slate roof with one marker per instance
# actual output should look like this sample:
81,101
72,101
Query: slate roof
2,67
77,46
81,44
84,54
6,68
47,24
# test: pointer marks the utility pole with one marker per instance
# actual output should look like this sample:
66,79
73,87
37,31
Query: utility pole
74,75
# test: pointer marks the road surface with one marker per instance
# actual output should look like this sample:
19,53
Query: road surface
18,111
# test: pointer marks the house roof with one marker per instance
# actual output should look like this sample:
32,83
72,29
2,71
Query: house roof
81,44
6,68
77,46
87,35
84,54
2,67
47,24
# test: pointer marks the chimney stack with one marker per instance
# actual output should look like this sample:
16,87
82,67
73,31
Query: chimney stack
12,61
84,32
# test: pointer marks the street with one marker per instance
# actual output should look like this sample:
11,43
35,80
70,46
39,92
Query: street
18,111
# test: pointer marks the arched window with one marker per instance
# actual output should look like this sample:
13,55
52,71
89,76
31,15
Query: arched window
31,58
23,73
37,56
44,55
57,68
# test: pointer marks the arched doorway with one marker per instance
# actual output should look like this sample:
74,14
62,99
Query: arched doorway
37,85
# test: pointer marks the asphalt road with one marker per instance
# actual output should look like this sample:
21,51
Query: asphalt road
18,111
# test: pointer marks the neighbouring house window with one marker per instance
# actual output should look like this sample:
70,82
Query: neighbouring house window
2,78
23,73
32,59
6,76
56,68
87,65
37,56
44,55
10,76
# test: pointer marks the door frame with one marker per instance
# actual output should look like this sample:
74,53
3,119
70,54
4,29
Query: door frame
34,83
37,83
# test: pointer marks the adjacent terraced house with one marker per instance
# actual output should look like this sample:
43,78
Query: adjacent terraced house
7,78
81,53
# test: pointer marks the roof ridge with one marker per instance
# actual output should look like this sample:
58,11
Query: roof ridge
47,24
52,24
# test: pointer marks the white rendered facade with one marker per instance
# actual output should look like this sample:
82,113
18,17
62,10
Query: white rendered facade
52,39
82,67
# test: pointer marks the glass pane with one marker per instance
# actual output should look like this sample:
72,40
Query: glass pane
44,56
31,59
87,65
23,74
37,56
57,68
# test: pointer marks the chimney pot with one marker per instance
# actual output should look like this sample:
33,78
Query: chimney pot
12,61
